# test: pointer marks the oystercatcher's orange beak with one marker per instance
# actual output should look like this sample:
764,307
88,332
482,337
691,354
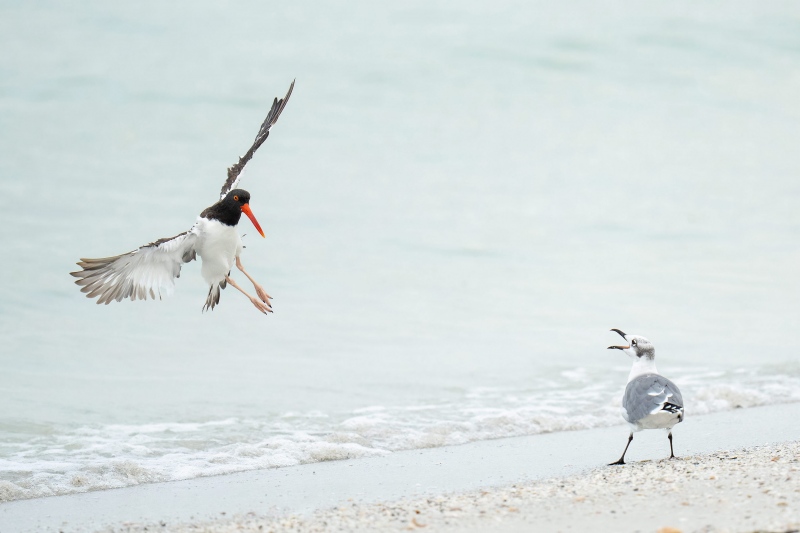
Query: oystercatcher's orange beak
251,216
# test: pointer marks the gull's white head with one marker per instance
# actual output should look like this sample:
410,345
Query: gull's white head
638,347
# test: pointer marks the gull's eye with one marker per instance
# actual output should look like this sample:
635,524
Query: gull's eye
236,198
633,342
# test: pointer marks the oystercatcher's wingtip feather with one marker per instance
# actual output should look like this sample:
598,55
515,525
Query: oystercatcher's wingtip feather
234,171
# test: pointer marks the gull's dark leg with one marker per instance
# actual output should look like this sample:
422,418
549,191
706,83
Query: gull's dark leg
622,459
671,453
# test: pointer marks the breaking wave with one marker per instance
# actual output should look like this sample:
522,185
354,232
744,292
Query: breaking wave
63,460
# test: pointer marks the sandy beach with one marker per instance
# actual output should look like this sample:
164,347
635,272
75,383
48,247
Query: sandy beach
725,479
752,489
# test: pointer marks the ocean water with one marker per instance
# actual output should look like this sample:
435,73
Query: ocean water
460,200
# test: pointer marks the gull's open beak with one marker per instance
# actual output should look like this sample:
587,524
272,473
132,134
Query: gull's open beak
251,216
619,347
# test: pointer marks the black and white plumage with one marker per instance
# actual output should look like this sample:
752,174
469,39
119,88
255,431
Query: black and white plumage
150,270
234,172
651,401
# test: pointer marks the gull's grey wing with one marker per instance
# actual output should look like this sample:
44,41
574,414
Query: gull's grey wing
140,273
649,394
263,132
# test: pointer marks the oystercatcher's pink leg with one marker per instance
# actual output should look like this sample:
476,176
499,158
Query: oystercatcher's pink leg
264,307
259,289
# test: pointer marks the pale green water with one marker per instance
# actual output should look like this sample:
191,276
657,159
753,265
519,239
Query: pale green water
460,200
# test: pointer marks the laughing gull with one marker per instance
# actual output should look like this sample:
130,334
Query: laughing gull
651,401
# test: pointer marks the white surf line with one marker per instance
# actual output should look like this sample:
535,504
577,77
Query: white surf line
304,488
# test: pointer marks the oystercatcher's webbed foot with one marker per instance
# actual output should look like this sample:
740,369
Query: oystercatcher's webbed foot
264,307
262,294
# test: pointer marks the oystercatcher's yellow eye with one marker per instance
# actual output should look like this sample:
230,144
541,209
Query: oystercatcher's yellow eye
236,198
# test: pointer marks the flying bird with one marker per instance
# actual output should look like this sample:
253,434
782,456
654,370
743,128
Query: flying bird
651,401
152,268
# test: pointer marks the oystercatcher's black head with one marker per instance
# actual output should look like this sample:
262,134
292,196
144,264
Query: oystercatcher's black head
229,210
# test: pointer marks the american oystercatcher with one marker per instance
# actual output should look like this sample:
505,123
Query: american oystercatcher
651,401
152,268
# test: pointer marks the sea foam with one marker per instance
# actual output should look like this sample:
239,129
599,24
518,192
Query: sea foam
78,459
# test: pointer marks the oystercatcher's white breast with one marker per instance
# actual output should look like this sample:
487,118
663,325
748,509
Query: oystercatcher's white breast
217,245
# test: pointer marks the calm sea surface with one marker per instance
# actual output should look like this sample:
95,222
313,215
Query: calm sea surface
460,200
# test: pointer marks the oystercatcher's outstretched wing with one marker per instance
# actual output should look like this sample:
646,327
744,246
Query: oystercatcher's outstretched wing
272,117
140,273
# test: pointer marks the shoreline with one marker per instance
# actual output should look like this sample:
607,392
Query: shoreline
478,466
753,489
